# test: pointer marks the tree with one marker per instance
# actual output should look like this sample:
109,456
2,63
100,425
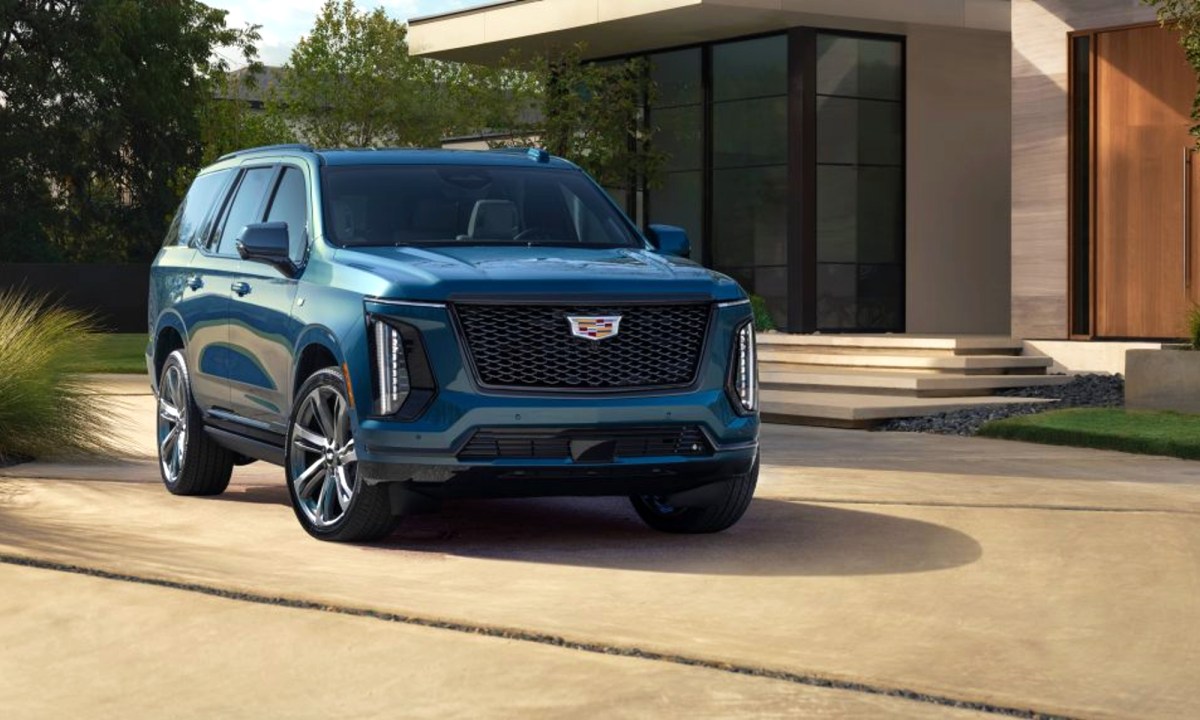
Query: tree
1184,16
100,106
243,112
590,113
352,83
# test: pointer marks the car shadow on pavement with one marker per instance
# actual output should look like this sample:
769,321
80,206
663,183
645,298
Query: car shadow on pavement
775,538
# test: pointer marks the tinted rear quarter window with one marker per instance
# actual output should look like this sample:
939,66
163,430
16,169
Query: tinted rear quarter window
197,208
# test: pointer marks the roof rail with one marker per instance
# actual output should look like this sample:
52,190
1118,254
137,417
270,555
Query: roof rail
285,146
535,154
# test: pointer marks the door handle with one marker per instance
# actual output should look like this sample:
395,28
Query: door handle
1187,217
241,288
195,282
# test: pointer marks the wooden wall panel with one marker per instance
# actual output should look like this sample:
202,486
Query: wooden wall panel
1039,161
1144,91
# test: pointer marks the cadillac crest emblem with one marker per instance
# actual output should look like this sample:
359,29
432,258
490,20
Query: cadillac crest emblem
594,327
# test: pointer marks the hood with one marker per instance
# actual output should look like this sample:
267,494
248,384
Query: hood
481,271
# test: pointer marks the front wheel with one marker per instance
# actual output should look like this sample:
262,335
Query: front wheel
722,507
331,500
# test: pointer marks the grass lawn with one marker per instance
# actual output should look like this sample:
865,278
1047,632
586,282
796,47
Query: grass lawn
1143,432
113,353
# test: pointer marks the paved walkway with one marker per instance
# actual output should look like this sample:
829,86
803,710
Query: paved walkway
991,573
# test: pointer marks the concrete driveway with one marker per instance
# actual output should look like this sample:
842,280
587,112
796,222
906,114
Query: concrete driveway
875,575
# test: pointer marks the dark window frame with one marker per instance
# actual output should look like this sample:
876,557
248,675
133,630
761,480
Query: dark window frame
801,236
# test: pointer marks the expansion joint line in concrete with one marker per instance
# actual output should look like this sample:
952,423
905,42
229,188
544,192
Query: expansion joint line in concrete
539,638
989,506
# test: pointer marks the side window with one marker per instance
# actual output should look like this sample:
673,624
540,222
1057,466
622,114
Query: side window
196,208
244,207
290,205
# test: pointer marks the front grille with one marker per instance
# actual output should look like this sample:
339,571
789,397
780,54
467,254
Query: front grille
555,444
531,346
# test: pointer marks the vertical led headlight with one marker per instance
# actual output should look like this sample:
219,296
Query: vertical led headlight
744,373
391,369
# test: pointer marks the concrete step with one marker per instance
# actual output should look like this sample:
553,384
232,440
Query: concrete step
908,384
853,410
960,364
893,344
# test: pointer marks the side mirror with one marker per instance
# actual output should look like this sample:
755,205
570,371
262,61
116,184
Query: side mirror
267,243
670,240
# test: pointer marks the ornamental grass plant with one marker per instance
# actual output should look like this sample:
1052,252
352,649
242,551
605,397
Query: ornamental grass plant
1192,320
44,409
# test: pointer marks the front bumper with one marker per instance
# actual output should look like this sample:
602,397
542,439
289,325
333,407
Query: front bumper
425,452
645,476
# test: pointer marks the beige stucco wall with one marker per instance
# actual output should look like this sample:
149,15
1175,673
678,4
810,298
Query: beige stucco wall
1039,161
612,27
958,181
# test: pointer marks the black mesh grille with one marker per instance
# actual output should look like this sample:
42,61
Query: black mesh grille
495,444
531,346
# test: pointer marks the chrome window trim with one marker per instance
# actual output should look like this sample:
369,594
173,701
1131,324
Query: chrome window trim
405,303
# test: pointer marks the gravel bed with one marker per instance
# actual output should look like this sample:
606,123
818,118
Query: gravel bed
1082,391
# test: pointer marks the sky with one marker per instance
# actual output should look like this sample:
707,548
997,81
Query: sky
285,21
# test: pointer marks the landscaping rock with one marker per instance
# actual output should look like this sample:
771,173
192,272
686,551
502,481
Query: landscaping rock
1082,391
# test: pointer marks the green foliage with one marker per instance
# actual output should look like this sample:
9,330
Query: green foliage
590,113
1193,327
123,353
43,410
1184,16
100,111
762,316
351,83
229,122
1147,433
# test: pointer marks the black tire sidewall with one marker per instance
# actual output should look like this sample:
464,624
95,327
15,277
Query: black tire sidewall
206,466
738,492
345,528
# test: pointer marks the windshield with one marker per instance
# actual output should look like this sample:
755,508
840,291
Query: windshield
452,204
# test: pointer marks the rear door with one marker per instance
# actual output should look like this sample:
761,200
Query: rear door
261,323
182,283
212,359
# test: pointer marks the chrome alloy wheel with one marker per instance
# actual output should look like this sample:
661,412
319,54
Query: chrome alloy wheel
323,462
172,423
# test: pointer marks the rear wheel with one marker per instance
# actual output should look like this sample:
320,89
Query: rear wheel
189,461
724,505
331,500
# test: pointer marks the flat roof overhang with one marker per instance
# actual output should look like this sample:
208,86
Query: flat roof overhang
486,33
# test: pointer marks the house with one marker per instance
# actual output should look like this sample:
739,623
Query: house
1009,168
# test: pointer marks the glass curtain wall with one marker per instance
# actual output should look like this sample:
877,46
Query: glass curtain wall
860,183
749,166
734,175
677,110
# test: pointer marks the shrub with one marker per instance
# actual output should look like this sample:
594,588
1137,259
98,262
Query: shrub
762,316
44,410
1193,327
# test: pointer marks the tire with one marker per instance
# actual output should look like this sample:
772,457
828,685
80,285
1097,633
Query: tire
729,500
189,461
331,501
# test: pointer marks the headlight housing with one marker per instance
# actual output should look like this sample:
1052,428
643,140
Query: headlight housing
743,370
403,380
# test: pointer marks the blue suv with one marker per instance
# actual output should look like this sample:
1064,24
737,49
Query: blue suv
397,327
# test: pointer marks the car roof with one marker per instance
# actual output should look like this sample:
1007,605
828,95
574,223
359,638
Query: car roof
515,157
521,157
